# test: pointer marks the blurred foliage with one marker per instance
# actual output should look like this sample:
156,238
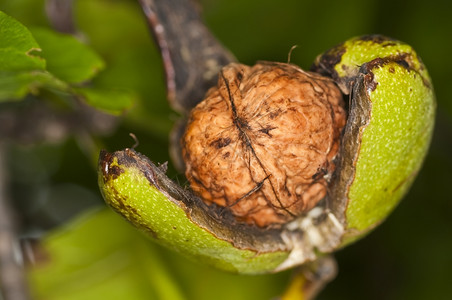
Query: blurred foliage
407,257
44,59
100,256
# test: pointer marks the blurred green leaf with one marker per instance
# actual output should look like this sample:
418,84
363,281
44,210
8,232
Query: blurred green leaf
67,58
118,31
100,256
113,263
112,101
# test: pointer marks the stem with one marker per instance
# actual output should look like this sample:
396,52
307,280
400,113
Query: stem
310,279
12,278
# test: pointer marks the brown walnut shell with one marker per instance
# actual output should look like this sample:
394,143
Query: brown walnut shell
263,142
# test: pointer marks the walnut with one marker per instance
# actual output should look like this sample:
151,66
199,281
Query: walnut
263,142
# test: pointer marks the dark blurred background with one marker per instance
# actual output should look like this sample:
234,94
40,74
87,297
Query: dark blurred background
407,257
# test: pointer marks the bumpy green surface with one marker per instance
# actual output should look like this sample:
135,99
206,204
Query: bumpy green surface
359,52
132,195
393,144
395,141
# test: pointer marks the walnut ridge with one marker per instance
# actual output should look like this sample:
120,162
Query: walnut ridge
263,142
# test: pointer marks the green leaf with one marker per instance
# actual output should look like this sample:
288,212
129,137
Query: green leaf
111,101
21,71
16,85
17,47
67,58
16,60
63,61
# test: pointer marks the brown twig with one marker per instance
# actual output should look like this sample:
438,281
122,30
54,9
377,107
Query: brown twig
60,15
192,56
12,278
